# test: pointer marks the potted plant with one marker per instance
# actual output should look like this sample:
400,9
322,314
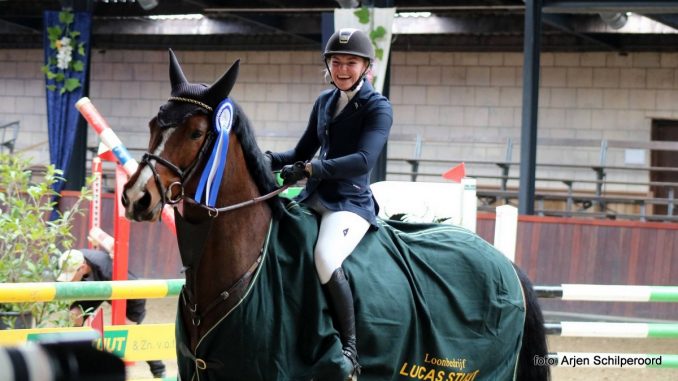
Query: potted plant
30,243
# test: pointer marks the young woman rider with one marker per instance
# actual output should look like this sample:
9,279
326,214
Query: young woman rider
349,125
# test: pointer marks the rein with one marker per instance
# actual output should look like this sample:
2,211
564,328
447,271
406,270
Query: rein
214,212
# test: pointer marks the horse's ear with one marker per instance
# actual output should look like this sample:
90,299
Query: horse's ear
222,88
177,76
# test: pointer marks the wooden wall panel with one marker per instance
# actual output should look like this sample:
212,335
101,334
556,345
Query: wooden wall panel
153,250
560,250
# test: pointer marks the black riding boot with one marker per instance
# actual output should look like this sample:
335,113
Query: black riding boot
157,368
341,300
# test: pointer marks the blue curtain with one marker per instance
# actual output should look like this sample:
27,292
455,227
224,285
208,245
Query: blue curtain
65,85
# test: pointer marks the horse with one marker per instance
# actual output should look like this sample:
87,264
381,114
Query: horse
433,302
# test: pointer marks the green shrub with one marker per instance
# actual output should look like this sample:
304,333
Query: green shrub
30,243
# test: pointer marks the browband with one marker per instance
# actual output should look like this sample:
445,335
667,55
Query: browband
193,101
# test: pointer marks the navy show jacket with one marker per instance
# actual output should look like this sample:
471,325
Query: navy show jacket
349,144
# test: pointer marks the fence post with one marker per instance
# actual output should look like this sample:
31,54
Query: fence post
669,208
469,204
417,155
506,230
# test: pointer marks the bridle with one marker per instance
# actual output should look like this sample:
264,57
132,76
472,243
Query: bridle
186,174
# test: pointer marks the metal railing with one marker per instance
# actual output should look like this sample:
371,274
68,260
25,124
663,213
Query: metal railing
561,197
8,135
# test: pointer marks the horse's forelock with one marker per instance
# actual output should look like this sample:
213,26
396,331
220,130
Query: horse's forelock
172,113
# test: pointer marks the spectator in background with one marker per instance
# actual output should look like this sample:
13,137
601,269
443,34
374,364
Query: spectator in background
96,265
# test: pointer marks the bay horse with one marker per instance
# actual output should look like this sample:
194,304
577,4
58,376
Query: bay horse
433,302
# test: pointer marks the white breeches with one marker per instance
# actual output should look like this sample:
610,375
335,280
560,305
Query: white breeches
340,232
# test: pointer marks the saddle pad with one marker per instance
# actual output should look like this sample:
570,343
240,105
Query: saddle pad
433,302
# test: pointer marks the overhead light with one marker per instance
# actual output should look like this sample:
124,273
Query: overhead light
413,14
145,4
192,16
615,20
348,3
148,4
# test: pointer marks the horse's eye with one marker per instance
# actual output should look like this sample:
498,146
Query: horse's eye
195,135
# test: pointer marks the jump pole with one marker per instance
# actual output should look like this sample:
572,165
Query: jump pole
111,140
613,330
609,293
138,289
105,290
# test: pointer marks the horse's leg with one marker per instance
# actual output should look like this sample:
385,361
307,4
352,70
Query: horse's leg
534,336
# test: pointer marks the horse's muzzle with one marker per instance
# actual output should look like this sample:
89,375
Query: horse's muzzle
141,209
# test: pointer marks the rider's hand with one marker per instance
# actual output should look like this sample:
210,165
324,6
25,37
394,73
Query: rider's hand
293,173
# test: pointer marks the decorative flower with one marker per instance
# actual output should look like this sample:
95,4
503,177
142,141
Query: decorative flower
65,53
69,55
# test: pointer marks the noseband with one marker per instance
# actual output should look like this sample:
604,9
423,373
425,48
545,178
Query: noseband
186,174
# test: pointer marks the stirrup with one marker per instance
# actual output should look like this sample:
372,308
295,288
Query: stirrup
352,357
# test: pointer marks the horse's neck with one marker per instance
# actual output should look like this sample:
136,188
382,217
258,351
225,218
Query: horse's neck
235,239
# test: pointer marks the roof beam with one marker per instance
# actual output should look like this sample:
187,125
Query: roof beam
668,20
636,24
565,24
459,24
611,6
277,23
7,27
146,26
300,26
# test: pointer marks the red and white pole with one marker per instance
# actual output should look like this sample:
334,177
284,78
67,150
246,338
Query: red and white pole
109,138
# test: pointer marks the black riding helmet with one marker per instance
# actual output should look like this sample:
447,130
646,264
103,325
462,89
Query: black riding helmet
350,41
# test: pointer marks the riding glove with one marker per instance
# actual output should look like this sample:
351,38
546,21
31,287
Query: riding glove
293,173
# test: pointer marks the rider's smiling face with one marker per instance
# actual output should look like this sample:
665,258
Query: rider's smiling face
346,69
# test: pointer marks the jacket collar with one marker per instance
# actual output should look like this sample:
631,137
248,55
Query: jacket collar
359,98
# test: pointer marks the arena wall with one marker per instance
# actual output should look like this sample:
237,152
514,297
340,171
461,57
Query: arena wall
440,96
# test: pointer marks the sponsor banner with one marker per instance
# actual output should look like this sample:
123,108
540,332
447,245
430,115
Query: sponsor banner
131,342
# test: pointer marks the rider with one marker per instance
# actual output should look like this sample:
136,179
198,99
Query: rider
350,125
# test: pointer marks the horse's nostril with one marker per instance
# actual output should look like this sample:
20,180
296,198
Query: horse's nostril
143,203
124,199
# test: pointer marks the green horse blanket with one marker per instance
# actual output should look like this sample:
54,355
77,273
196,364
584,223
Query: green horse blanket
433,302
